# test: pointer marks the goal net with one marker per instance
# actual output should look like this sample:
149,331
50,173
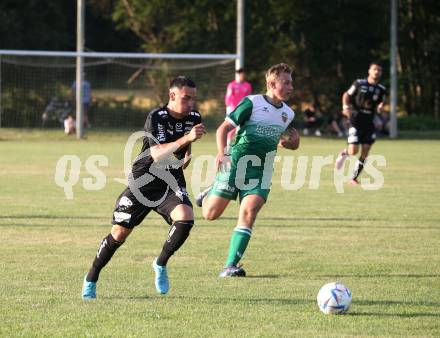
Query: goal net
38,91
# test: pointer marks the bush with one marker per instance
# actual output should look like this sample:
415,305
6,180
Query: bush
414,122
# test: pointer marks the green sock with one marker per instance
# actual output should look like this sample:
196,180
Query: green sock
239,241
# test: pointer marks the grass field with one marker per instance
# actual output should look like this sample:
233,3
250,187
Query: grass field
383,244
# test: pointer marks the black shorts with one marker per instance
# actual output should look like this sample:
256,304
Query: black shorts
130,211
361,135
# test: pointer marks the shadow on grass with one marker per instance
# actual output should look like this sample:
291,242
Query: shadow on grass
50,217
385,314
383,275
397,302
274,301
296,223
263,276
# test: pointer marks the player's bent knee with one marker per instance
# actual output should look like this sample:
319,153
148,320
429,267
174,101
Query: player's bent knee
210,214
120,233
352,150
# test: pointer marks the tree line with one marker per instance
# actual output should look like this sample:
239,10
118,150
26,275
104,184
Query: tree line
329,43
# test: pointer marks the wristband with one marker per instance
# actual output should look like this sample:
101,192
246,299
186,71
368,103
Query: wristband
346,106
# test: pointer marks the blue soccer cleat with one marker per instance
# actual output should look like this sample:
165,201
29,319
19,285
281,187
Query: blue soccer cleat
161,278
233,271
88,290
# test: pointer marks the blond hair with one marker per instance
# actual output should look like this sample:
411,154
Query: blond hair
274,72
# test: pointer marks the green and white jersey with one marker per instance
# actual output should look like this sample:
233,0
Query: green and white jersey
260,126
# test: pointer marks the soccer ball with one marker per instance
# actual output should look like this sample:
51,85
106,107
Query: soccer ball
334,298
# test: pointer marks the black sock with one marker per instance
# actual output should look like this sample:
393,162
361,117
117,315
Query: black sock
359,167
177,235
105,252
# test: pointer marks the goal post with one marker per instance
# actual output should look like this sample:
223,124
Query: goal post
37,87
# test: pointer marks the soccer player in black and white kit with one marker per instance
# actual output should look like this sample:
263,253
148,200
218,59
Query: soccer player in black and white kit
157,183
360,103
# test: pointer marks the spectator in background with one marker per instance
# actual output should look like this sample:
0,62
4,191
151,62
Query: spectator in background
382,123
87,99
235,92
336,125
312,120
69,124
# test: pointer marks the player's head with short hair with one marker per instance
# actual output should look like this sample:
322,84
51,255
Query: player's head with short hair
182,95
375,71
273,73
279,81
375,62
182,81
240,75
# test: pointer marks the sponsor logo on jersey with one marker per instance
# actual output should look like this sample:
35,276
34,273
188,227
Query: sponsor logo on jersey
226,187
267,131
161,132
265,109
178,126
170,132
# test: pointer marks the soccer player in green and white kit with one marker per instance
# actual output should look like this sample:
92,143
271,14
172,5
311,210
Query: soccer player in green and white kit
247,171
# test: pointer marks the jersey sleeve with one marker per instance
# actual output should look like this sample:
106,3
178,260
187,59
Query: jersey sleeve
241,113
291,125
155,126
353,89
198,119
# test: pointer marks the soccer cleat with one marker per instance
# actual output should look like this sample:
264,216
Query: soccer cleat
161,278
88,290
354,181
202,195
340,160
233,271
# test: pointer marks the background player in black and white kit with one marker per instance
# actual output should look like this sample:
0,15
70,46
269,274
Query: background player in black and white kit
157,183
360,103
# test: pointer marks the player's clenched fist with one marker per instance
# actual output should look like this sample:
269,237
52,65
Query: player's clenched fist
196,132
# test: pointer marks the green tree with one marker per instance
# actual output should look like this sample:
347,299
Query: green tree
419,55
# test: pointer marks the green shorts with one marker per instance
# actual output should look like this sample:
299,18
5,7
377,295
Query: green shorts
229,186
